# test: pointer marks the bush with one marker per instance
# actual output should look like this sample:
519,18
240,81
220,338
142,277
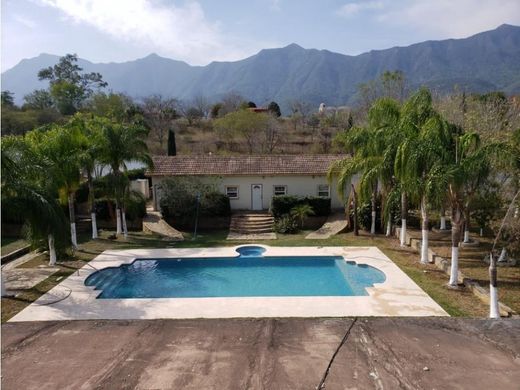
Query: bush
282,205
365,216
286,225
215,204
135,207
179,201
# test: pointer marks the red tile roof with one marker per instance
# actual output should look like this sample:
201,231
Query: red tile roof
260,165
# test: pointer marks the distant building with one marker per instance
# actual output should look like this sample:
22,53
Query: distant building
325,110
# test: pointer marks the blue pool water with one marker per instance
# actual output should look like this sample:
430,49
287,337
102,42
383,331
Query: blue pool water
248,275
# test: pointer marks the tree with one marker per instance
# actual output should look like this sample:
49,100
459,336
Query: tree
119,144
7,99
373,149
251,104
193,114
90,127
172,147
39,99
216,110
68,86
61,147
200,102
301,212
420,158
111,105
274,109
231,102
159,114
26,195
246,124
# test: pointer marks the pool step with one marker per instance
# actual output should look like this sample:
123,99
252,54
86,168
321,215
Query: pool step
251,223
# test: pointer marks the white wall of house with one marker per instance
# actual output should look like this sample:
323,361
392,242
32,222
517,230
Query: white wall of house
295,185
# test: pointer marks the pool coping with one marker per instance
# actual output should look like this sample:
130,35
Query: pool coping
398,295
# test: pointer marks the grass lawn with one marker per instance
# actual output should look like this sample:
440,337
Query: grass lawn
428,277
10,244
472,265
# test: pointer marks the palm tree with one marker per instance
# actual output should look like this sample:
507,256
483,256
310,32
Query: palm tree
420,158
25,195
373,150
90,127
61,147
121,143
301,212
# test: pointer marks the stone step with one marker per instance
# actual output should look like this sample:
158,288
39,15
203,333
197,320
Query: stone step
253,217
251,231
251,223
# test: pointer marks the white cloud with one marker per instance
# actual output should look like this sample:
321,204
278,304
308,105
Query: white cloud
351,9
451,19
181,32
24,21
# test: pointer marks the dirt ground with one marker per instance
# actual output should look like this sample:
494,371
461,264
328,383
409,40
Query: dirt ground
380,353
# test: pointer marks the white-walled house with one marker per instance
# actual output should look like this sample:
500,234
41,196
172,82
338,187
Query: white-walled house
251,181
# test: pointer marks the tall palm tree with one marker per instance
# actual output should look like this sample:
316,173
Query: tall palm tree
90,127
25,195
420,158
61,147
121,143
373,151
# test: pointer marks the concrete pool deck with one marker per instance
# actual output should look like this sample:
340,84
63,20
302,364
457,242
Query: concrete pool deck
398,295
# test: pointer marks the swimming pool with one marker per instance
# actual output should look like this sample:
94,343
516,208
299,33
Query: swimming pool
250,274
396,295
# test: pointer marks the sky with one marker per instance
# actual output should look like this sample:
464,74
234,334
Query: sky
202,31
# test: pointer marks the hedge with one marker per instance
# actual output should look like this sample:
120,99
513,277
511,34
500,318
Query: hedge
179,202
283,204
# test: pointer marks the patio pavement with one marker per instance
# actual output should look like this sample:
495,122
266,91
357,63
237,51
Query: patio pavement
380,353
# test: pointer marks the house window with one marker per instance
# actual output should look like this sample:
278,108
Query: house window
324,190
280,190
232,192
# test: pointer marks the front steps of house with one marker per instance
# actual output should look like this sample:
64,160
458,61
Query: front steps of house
252,223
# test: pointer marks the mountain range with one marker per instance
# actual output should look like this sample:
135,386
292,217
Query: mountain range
483,62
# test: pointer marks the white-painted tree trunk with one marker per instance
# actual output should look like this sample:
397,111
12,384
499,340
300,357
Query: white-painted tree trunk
454,271
389,228
373,226
118,222
125,229
424,246
502,256
94,225
424,228
443,222
52,250
4,291
403,232
481,232
466,236
73,235
494,311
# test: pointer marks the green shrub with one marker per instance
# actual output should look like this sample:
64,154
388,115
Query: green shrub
281,205
215,204
365,215
286,225
135,207
320,206
179,200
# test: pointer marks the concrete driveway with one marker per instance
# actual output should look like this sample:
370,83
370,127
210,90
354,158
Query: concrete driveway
380,353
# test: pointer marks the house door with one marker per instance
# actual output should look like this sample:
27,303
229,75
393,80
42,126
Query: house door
256,197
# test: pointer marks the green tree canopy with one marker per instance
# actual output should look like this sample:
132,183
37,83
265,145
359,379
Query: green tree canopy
68,86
